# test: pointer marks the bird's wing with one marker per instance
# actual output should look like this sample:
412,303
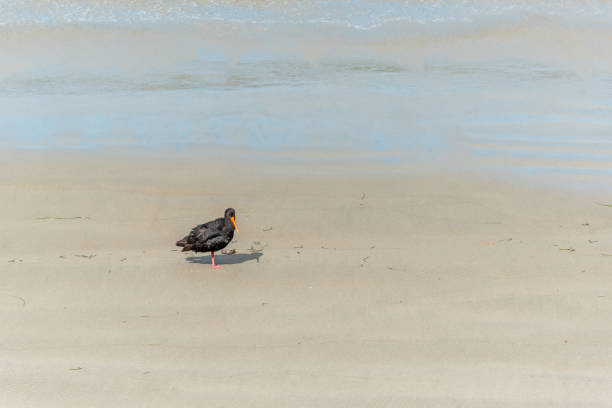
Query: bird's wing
204,234
196,234
216,240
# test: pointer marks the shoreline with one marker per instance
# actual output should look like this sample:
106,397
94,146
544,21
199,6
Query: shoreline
586,178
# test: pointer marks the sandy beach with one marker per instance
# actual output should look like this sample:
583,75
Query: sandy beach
348,288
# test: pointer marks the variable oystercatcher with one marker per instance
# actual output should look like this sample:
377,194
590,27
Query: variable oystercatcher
211,236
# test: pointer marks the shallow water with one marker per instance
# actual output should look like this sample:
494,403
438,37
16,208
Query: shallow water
517,86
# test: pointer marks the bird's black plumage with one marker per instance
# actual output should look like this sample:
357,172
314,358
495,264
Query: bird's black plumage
211,236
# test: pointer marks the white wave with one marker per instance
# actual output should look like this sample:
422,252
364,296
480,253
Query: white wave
360,14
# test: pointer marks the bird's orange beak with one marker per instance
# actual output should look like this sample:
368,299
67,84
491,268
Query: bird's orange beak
234,222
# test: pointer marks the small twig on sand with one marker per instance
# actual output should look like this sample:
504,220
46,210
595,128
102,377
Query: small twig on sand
23,302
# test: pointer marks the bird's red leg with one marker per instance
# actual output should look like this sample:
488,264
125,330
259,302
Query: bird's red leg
212,255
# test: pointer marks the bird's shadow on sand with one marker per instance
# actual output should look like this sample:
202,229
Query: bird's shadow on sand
226,259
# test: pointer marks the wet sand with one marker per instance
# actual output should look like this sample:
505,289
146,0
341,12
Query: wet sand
348,288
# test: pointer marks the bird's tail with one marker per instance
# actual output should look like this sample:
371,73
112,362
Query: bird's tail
183,243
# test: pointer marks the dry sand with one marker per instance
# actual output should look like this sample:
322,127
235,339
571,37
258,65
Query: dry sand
348,289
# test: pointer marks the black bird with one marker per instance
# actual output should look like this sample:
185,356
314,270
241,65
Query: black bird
211,236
